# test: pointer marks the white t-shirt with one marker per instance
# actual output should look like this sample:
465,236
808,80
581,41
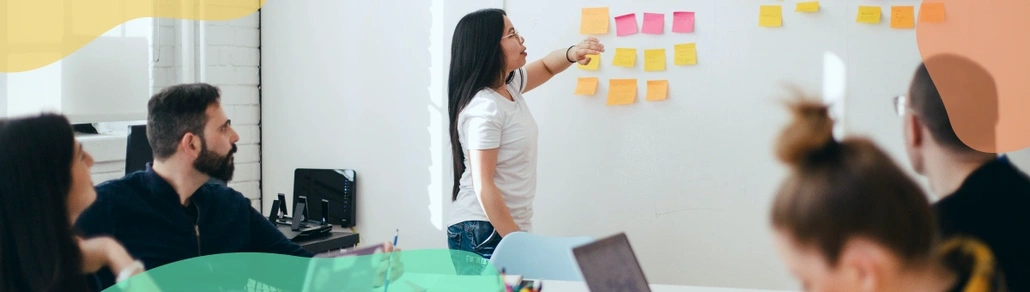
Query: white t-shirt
492,121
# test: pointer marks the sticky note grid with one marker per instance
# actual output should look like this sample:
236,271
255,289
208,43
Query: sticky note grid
623,90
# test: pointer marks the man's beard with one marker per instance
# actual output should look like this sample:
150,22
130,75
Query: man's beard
214,165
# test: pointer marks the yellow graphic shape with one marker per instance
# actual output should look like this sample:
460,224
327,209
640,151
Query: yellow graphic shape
36,33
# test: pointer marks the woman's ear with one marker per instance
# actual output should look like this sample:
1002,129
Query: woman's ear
864,264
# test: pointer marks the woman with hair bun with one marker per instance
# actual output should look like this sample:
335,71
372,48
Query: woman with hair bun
848,218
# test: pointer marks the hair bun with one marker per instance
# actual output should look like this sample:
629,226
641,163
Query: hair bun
809,133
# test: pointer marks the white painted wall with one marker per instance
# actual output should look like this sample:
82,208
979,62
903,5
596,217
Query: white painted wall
365,93
335,79
1021,159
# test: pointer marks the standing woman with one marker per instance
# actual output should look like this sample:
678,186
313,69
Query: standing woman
493,134
44,185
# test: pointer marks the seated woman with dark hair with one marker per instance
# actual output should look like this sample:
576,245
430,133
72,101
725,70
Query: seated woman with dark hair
847,218
44,185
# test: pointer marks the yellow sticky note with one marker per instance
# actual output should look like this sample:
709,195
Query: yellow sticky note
868,14
654,60
594,21
595,62
657,89
770,16
622,91
586,86
903,17
807,7
625,57
686,54
932,12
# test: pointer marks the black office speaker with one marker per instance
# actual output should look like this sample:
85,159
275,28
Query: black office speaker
336,186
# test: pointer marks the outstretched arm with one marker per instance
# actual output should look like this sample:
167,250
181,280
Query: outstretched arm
542,70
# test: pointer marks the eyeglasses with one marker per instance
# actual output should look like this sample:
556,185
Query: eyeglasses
514,34
900,104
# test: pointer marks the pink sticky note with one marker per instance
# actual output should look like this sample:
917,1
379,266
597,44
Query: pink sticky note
626,24
683,21
654,23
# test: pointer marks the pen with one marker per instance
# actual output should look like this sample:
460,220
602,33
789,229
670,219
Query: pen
390,265
507,288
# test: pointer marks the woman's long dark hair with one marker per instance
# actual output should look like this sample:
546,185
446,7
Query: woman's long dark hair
477,62
38,251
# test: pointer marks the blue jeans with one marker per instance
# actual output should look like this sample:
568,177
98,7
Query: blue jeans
472,244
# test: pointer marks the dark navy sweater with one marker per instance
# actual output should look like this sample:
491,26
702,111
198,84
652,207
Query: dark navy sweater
990,205
143,212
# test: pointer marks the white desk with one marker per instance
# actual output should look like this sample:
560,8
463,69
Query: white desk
567,286
416,282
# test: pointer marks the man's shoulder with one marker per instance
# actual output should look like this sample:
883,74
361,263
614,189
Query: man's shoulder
127,185
226,195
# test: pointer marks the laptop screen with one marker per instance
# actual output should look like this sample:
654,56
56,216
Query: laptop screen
609,265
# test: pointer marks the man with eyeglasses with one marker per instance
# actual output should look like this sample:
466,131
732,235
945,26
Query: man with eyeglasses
981,194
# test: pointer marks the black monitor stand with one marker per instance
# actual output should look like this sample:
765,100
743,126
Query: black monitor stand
300,226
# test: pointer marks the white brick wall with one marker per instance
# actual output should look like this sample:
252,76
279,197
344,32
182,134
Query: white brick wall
231,63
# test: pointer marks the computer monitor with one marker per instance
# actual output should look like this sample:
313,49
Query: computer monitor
337,186
137,149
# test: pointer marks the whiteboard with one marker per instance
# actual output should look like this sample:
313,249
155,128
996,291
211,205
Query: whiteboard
690,178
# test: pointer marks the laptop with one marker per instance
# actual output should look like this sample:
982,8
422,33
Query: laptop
609,265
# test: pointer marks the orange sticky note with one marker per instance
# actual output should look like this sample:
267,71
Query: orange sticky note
625,57
654,60
657,89
685,54
770,16
868,14
586,86
595,62
594,21
932,12
812,6
622,91
903,17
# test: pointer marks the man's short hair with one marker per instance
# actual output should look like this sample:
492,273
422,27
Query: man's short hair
175,111
971,90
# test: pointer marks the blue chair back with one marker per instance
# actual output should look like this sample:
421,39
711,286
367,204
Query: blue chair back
535,256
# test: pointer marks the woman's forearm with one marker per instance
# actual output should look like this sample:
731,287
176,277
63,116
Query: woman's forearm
558,60
496,210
